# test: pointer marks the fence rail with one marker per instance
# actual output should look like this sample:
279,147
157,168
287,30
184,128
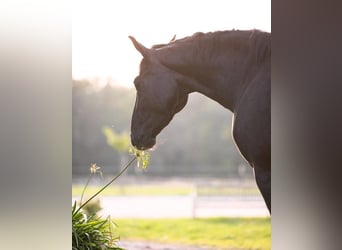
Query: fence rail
233,198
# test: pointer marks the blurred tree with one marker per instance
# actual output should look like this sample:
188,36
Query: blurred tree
197,141
119,142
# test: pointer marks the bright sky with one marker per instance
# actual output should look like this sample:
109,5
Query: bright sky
100,44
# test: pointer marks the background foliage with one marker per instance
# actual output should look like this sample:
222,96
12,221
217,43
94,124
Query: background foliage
197,142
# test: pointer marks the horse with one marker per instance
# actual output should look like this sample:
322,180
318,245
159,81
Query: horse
231,67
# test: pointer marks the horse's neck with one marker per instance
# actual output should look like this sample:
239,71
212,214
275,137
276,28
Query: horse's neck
220,75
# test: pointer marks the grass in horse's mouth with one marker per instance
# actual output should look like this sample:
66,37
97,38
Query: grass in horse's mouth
143,157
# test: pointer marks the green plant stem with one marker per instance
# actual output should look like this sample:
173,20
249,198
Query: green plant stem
110,182
85,187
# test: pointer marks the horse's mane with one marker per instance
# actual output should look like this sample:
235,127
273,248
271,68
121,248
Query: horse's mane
259,41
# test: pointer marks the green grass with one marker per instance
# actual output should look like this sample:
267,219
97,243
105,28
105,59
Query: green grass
162,190
92,232
219,233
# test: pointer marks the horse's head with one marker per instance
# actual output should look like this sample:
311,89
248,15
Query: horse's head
159,97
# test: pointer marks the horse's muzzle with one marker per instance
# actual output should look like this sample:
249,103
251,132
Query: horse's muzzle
142,142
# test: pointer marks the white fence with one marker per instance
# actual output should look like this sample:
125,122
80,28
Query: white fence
208,199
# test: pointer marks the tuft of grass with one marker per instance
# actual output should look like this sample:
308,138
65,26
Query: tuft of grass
143,157
92,232
218,233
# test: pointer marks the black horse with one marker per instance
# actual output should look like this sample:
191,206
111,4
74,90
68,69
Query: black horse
230,67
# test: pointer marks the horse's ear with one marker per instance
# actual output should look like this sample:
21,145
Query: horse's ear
145,52
173,38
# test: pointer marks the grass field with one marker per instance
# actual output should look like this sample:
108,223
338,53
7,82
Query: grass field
219,233
163,190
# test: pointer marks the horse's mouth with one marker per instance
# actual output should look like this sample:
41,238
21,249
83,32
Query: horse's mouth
143,143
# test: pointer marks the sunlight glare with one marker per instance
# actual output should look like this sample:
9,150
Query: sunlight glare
100,30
